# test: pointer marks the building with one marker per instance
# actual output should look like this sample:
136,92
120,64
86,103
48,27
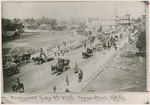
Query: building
108,23
10,35
125,20
45,27
105,24
28,25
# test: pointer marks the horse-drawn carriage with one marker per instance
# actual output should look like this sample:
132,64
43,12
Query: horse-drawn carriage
61,66
87,54
26,57
11,68
17,87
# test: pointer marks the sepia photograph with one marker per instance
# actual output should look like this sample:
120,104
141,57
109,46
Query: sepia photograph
53,47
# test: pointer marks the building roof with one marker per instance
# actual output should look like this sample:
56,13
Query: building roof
9,33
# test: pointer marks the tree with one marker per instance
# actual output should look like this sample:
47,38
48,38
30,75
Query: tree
27,20
8,25
100,29
139,20
141,43
133,19
53,23
90,32
32,20
16,21
49,22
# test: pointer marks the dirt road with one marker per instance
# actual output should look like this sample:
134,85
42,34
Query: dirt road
38,78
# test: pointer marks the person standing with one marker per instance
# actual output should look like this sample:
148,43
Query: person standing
54,88
55,54
115,47
84,45
76,68
67,80
58,47
80,75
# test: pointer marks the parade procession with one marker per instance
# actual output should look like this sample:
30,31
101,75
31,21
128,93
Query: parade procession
49,55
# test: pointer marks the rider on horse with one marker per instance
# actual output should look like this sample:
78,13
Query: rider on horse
19,84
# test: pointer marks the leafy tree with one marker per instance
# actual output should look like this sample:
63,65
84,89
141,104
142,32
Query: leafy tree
90,32
32,20
27,20
16,21
53,23
141,43
8,25
139,20
100,29
49,22
133,19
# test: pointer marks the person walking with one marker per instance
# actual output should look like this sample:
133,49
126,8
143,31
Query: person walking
58,47
80,76
67,80
76,68
54,88
115,47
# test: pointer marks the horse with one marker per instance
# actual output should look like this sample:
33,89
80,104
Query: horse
61,66
40,60
16,87
26,57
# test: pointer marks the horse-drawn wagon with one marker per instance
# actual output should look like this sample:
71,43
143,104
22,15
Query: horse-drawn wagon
11,68
87,54
61,66
26,57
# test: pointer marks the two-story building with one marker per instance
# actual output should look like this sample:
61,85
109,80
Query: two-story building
108,23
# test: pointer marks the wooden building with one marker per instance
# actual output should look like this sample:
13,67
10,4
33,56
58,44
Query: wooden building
10,35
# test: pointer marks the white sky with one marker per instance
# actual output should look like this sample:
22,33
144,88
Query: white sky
65,10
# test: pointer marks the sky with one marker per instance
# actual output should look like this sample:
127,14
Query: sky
66,10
